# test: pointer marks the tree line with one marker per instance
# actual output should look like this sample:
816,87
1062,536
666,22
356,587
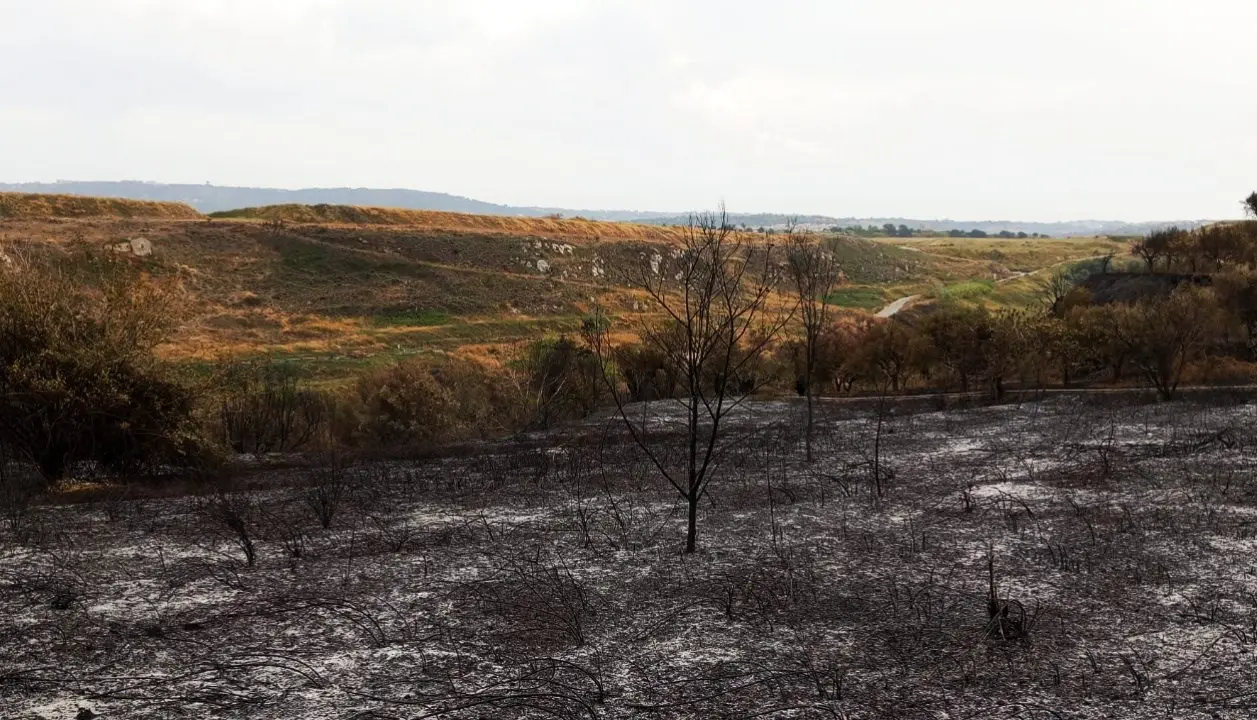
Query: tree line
904,231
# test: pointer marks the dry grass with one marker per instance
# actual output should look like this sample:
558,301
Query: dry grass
33,206
339,295
1018,255
574,228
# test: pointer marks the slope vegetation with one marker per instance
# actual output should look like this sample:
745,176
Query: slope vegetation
34,206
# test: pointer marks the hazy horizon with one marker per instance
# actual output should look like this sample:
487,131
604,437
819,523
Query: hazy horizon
973,110
710,207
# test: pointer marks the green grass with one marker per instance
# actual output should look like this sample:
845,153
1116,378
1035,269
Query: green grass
864,298
967,290
1020,293
412,318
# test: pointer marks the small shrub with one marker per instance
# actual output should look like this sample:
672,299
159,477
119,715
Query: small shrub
565,379
328,489
405,405
234,515
18,490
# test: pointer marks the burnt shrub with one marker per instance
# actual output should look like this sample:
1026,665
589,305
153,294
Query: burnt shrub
266,407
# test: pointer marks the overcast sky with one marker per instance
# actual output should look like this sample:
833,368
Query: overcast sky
974,109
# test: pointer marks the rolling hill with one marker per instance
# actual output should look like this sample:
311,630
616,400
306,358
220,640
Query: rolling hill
216,198
33,206
334,293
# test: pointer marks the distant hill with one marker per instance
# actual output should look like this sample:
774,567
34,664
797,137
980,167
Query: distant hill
346,292
35,206
214,198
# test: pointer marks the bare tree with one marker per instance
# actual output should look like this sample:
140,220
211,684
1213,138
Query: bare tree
713,294
1250,204
814,273
1158,244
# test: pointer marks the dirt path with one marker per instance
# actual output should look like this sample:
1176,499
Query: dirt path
896,306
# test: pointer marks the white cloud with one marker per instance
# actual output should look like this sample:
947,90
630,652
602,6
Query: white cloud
974,108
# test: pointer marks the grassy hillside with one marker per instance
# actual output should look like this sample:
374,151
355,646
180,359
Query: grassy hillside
572,228
340,287
31,206
353,294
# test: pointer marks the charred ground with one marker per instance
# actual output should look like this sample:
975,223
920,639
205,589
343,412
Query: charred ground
1064,558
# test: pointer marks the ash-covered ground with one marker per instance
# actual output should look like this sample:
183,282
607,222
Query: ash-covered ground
1059,559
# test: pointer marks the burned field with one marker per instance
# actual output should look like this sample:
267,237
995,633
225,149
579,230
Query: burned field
1059,559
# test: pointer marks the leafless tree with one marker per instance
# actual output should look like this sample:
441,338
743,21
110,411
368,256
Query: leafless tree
1056,288
714,296
813,273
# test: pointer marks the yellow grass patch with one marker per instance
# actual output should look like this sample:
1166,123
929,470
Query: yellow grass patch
35,206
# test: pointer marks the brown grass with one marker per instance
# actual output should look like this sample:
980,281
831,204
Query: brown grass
574,228
33,206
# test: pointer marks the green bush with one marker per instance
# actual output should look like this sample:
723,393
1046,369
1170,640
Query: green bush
421,403
646,372
565,378
489,402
